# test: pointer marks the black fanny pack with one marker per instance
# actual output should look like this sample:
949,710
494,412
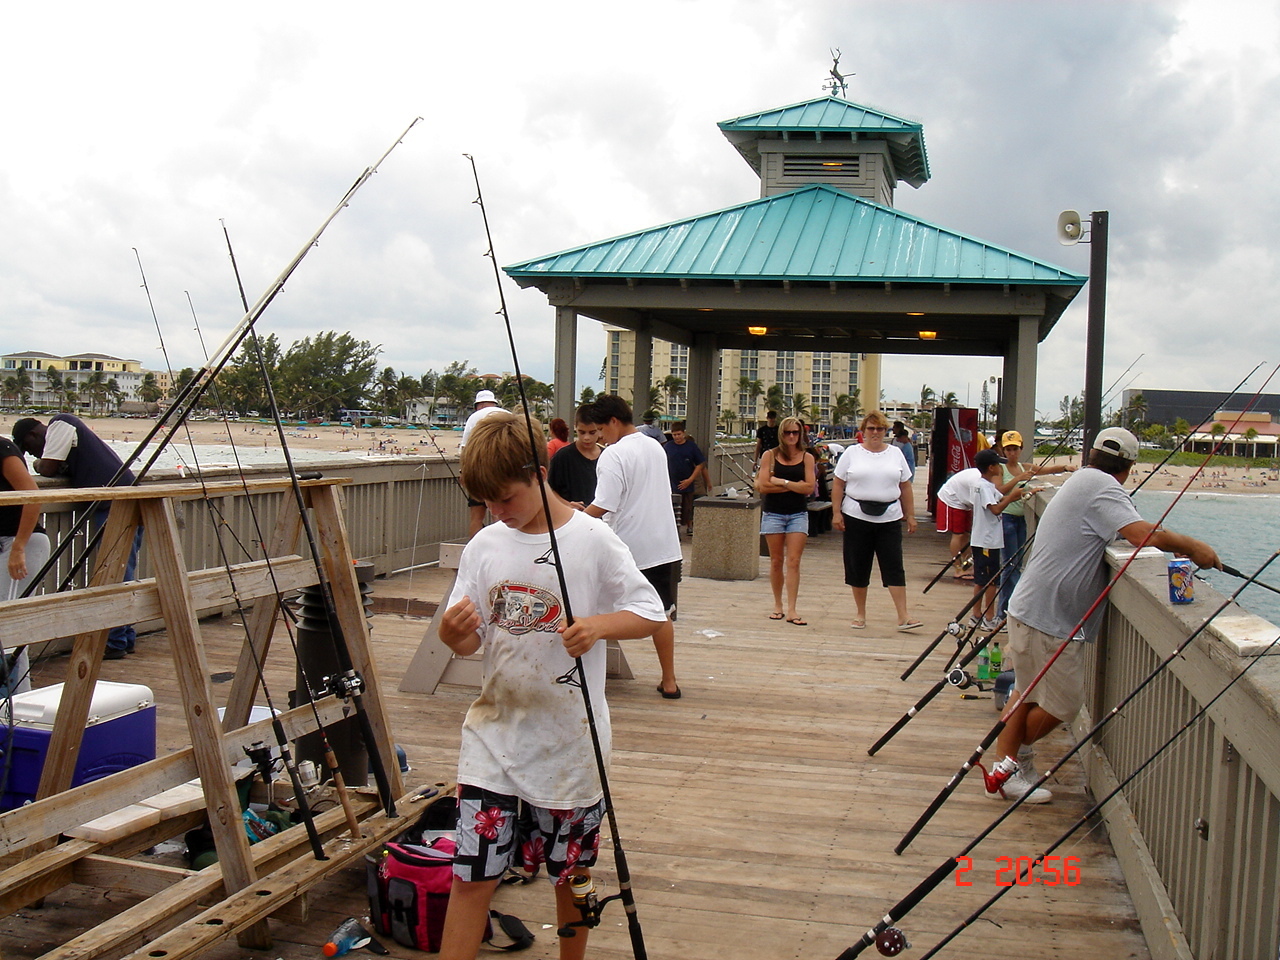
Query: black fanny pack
875,508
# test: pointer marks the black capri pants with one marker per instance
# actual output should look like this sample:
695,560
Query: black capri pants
864,540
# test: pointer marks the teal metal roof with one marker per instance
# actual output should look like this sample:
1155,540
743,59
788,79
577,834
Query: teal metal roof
905,138
813,233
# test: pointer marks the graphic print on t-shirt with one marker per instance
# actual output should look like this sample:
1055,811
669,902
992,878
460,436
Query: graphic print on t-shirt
520,608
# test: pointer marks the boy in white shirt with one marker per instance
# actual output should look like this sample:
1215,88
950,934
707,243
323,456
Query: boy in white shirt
987,536
526,736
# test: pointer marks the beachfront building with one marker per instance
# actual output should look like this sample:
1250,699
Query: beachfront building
1194,406
821,265
87,376
750,382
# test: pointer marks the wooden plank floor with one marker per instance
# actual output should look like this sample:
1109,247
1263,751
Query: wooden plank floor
754,822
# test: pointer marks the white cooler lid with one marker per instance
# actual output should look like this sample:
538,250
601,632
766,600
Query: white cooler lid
39,708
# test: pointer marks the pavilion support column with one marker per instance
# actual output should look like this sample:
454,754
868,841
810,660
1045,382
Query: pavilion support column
566,361
1020,382
642,376
1004,419
704,378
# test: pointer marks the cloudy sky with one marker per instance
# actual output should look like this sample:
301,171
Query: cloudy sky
142,125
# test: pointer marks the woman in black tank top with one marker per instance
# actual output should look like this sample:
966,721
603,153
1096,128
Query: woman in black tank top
786,480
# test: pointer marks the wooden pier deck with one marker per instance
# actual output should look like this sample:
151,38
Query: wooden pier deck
755,825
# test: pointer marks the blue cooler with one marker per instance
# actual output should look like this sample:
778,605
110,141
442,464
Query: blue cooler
119,733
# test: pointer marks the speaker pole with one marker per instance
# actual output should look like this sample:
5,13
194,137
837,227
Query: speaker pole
1095,335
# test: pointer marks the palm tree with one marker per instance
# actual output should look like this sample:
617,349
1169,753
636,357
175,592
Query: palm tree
655,399
673,387
95,388
727,416
949,399
798,403
1252,435
386,387
845,409
24,386
53,377
928,397
775,399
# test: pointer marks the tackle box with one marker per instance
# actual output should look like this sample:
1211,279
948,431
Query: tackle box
120,733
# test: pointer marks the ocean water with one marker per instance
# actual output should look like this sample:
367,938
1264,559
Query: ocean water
1243,528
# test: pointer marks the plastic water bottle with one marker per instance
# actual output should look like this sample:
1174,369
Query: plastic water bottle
349,936
984,663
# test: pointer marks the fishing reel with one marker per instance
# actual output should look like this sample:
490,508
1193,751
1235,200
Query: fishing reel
591,908
954,628
345,685
962,679
260,754
891,941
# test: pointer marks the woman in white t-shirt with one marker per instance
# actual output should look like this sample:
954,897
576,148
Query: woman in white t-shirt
872,489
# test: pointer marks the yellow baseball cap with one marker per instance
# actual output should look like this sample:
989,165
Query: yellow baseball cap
1011,438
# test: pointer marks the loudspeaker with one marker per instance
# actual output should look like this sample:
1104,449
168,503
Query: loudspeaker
1070,229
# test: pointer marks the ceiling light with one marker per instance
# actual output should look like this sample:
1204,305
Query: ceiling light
757,331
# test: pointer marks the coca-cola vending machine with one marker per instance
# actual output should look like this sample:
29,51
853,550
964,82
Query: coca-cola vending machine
952,448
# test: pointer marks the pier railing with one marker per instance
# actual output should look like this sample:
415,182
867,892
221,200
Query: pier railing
1197,833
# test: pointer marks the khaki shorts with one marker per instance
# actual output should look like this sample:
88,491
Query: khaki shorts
1060,692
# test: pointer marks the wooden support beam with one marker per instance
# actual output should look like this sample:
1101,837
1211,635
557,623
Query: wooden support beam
86,659
222,802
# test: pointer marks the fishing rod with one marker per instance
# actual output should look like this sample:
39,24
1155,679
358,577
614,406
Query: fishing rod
191,392
348,684
953,628
578,675
926,886
975,758
277,728
953,676
1228,569
728,457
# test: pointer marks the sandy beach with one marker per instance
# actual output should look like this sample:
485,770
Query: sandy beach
330,438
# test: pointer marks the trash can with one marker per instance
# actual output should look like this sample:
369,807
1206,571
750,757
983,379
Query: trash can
726,538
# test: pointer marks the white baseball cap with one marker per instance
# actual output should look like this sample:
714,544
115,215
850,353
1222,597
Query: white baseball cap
1118,442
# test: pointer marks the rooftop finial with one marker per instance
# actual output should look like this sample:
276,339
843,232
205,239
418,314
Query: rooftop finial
836,84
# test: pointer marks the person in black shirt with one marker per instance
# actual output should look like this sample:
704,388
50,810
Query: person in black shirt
766,435
573,469
66,447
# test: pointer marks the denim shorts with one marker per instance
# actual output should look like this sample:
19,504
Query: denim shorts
785,523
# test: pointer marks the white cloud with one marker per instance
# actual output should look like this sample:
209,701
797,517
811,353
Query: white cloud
143,124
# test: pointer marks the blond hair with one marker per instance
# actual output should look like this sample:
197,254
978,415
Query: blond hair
792,423
498,453
877,418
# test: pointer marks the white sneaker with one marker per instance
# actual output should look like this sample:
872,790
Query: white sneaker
1017,787
991,625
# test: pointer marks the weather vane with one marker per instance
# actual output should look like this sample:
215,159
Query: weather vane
836,83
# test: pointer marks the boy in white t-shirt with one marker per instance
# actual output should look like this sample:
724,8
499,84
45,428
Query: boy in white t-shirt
526,736
986,539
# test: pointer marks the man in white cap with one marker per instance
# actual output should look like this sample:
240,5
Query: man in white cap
486,403
1064,577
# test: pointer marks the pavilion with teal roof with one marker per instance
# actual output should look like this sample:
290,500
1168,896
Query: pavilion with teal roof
821,261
